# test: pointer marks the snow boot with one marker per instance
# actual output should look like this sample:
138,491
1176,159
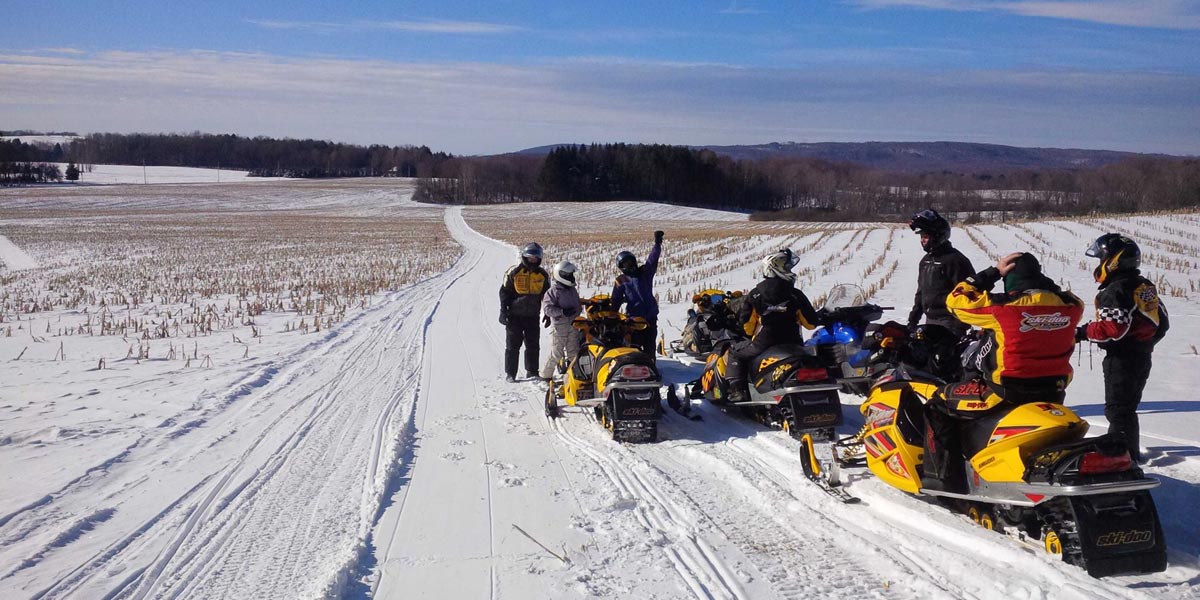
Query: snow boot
738,391
510,378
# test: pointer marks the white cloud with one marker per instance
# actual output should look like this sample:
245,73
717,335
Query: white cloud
482,107
1166,14
424,26
63,50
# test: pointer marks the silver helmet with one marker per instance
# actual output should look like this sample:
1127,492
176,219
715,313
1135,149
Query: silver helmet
564,273
779,264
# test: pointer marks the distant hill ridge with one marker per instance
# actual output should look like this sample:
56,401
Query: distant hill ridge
919,157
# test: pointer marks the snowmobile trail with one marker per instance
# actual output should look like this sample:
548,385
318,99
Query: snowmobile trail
477,463
273,496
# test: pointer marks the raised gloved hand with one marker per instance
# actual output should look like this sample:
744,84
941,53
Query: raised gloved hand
1081,333
504,317
658,237
545,320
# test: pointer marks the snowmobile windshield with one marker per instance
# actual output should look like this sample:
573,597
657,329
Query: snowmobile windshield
845,295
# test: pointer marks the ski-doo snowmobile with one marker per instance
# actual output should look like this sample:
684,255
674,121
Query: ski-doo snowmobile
789,388
1029,467
711,308
618,382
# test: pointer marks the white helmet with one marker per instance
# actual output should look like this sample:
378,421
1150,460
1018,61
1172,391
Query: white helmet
564,273
779,264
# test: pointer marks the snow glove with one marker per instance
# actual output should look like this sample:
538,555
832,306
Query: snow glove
546,321
658,237
1081,333
504,317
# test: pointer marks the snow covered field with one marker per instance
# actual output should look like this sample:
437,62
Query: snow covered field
383,456
132,174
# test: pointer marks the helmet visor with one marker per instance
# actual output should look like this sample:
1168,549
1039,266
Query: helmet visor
716,298
1096,250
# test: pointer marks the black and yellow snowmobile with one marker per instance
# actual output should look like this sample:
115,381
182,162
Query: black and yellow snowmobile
618,382
1029,468
711,309
789,388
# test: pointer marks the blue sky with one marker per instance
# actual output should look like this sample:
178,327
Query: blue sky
497,76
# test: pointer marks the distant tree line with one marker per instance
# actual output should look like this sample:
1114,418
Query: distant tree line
28,172
261,156
808,189
661,173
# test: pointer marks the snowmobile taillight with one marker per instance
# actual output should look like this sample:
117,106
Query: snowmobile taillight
1094,463
635,372
814,374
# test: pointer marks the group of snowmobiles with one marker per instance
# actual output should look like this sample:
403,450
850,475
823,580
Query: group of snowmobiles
1031,470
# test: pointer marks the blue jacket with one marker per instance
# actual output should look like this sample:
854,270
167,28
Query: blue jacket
638,292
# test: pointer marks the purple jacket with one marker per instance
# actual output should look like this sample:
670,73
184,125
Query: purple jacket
638,292
561,303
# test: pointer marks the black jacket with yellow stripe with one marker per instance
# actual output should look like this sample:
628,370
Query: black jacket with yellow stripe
1130,317
776,310
522,290
1030,334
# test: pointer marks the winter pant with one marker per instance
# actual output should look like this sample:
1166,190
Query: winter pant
646,339
1125,376
748,350
944,356
564,342
521,330
943,458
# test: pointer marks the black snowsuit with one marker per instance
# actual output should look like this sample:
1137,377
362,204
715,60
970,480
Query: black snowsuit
940,270
1130,320
772,313
520,306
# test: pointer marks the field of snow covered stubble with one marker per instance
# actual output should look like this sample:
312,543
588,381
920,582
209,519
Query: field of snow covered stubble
384,457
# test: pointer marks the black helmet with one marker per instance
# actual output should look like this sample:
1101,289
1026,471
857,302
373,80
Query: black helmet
531,254
930,223
1116,253
627,262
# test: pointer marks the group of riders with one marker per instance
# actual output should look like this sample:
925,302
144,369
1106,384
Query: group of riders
1024,355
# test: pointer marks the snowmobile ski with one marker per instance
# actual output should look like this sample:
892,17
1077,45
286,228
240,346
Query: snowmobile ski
828,482
683,408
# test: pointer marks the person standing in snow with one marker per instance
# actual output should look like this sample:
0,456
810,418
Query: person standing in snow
560,306
635,288
1130,320
520,304
942,268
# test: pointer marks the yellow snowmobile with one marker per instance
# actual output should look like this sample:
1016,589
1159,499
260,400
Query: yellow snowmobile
1028,466
618,382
